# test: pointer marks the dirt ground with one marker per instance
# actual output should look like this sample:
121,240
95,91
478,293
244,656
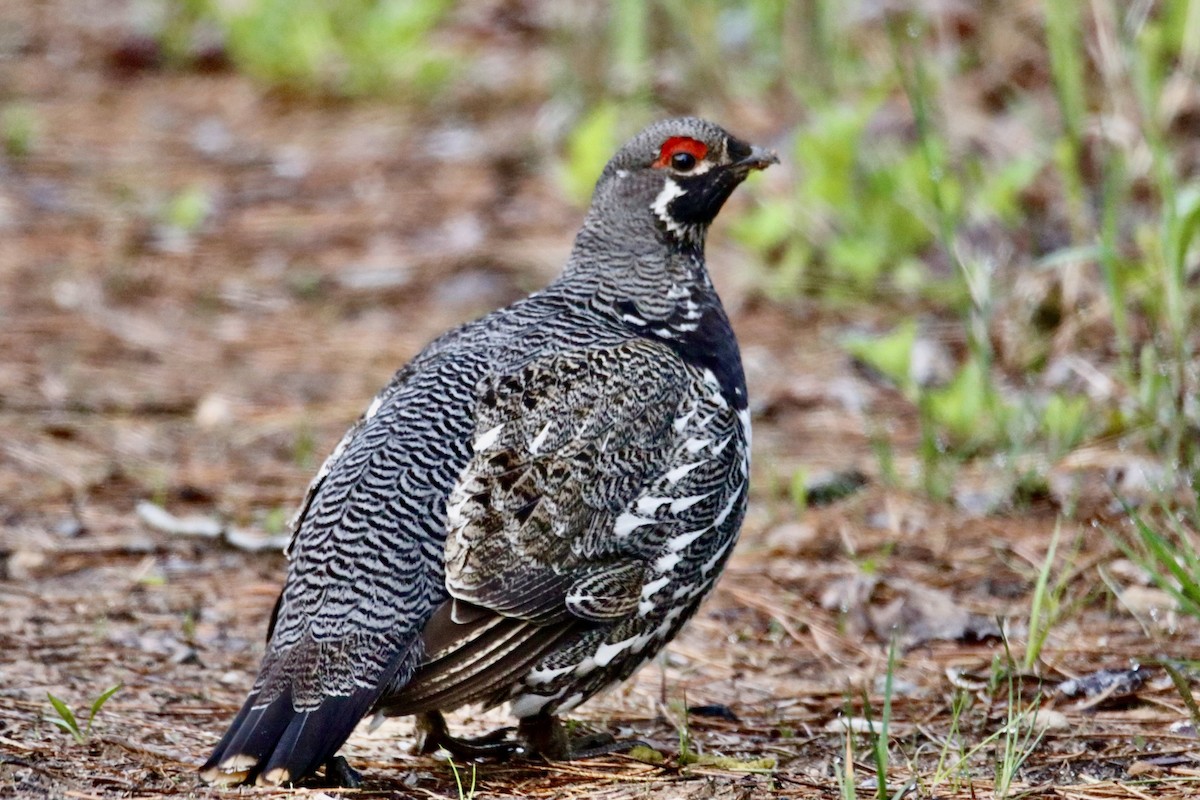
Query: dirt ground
207,370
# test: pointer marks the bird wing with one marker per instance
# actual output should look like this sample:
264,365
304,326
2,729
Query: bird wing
538,544
560,450
365,573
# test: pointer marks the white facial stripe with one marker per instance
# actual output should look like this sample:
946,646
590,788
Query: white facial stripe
670,191
700,168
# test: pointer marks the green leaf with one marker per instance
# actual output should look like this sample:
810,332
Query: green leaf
188,209
66,726
1064,422
98,704
66,719
18,129
891,354
1187,223
767,226
969,409
352,47
798,490
1001,189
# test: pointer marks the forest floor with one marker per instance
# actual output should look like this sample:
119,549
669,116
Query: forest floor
151,365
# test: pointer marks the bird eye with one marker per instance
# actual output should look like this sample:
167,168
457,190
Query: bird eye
681,153
683,161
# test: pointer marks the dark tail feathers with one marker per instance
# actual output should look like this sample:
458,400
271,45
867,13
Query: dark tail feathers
274,744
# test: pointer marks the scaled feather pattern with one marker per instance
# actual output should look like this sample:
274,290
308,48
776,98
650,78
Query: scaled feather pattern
537,503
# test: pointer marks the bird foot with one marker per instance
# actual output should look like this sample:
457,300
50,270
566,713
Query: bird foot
340,775
594,745
433,734
547,737
541,736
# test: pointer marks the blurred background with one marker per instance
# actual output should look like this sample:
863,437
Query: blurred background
967,301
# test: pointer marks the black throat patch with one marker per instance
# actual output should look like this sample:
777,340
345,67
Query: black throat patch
705,341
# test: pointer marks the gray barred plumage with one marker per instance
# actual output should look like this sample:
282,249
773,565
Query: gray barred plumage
539,501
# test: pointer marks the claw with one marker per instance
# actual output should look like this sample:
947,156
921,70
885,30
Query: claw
540,736
340,775
601,744
545,736
433,734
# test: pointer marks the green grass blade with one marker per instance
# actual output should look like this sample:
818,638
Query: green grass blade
1039,611
66,719
1183,686
881,741
98,704
1164,556
1064,41
1160,557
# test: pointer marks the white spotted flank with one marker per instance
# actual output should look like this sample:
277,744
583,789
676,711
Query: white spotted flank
488,438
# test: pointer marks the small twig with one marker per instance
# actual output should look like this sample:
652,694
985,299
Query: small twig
659,775
18,745
145,749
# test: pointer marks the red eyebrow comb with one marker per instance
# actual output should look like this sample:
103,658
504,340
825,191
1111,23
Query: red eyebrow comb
680,144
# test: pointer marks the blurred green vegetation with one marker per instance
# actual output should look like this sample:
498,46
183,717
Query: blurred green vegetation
18,130
908,197
1018,170
345,48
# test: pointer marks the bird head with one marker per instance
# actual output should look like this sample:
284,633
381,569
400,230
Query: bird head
680,172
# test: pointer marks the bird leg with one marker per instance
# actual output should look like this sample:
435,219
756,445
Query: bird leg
544,735
433,734
340,775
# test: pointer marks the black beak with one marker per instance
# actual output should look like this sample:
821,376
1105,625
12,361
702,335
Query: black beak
759,158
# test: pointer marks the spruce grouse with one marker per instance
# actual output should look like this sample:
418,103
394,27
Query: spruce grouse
536,504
